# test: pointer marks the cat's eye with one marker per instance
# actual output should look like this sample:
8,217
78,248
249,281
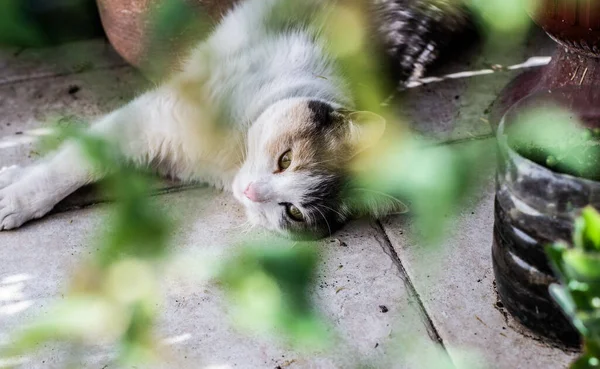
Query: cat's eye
285,160
294,213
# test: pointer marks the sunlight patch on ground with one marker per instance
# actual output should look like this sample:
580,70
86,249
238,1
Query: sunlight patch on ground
177,339
11,362
16,278
12,297
12,292
15,308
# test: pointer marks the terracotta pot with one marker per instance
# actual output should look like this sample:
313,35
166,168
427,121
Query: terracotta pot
575,26
128,25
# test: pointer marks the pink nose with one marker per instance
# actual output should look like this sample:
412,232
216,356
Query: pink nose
251,193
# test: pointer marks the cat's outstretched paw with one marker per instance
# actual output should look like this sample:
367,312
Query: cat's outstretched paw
9,212
11,209
18,204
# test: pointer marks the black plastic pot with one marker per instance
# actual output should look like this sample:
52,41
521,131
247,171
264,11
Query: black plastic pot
536,206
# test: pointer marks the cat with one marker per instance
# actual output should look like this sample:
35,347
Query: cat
289,128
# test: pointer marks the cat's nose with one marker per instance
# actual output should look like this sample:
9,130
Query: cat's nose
252,194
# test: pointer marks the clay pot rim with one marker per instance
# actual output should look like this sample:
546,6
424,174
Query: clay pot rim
502,139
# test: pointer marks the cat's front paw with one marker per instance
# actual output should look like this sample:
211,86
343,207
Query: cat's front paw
19,205
11,209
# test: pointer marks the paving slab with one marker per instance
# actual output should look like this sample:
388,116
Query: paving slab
455,282
93,79
87,79
356,278
455,109
20,64
42,93
86,95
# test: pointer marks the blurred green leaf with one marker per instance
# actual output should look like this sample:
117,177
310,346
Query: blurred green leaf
85,318
591,231
561,295
586,361
555,255
582,266
554,137
502,16
591,321
436,179
15,28
270,286
174,27
579,294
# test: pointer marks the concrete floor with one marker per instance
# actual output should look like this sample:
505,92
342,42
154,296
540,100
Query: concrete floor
438,303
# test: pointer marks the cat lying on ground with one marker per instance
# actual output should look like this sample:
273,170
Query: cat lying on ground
291,128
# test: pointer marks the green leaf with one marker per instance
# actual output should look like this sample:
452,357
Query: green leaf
555,255
271,286
586,361
582,266
591,321
15,28
561,295
85,318
592,228
579,233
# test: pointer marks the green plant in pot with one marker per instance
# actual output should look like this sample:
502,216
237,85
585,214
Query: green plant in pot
578,293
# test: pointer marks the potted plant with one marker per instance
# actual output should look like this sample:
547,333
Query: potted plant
578,294
548,170
539,193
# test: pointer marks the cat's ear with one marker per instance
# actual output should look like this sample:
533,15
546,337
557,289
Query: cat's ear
365,129
362,202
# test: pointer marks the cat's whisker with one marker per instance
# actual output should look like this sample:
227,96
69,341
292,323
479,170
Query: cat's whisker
325,219
250,227
242,138
243,225
246,229
324,161
382,194
247,226
243,147
335,211
401,207
240,147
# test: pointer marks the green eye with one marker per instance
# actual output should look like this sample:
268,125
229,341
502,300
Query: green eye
294,213
285,160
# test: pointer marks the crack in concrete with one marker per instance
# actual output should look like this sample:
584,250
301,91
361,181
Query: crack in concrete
77,202
388,249
50,74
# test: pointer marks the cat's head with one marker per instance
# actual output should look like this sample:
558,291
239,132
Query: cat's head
295,179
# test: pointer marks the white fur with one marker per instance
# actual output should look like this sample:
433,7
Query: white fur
231,79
